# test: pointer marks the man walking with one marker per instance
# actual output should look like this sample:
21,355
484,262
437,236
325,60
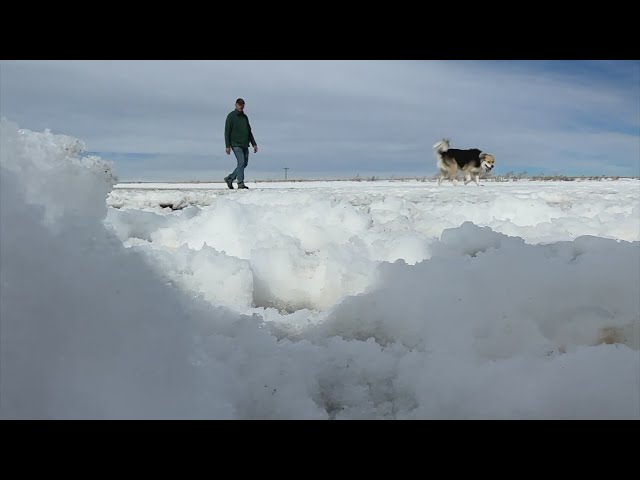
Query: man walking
237,137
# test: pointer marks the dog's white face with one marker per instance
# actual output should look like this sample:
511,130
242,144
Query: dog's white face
487,162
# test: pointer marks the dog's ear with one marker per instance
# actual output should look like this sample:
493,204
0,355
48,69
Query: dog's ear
482,156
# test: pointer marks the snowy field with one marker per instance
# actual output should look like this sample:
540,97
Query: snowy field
322,300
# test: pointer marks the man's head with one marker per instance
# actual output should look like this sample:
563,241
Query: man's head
240,105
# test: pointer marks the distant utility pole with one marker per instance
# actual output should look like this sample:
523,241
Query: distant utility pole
285,172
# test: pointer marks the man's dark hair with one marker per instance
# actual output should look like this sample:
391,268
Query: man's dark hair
240,101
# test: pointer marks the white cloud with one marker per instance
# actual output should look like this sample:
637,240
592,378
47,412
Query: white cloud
341,111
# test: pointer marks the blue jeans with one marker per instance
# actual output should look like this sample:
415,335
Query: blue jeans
242,155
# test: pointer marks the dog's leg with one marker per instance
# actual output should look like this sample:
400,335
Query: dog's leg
476,178
442,175
453,175
467,177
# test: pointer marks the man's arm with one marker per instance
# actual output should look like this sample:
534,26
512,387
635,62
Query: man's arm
227,132
251,139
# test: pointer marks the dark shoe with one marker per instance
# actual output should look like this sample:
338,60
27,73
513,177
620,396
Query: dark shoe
229,182
241,185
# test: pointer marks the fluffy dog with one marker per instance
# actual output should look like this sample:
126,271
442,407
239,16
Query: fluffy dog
453,160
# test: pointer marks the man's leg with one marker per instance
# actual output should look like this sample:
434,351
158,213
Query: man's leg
238,173
244,162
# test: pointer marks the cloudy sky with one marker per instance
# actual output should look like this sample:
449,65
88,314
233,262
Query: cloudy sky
164,120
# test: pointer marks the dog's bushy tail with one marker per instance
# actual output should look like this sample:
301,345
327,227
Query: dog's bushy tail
438,149
442,146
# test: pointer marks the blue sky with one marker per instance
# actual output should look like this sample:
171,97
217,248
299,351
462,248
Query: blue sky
164,120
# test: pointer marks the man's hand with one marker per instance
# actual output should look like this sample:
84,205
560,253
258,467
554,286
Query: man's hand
255,149
228,150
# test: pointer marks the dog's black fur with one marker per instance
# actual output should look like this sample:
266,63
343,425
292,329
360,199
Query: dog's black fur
463,157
